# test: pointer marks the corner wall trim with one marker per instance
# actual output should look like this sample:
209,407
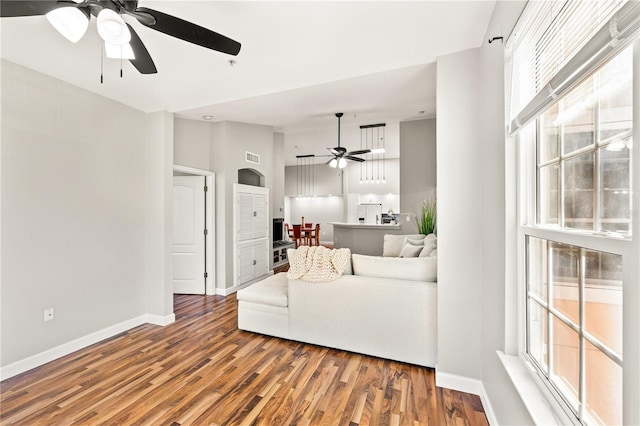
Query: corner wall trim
468,385
64,349
160,320
226,291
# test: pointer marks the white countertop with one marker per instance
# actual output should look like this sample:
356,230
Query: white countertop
365,225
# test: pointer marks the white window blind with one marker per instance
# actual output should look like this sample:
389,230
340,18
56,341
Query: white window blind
555,40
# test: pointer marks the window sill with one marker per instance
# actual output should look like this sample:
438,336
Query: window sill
542,408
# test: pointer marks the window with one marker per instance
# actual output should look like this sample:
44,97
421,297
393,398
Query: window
574,326
583,164
575,131
574,293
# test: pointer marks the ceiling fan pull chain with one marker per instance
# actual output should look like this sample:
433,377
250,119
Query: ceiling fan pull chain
120,61
102,64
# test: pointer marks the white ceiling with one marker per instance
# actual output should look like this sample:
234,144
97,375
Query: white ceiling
300,61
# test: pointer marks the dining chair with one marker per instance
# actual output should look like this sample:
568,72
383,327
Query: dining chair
308,234
297,235
317,234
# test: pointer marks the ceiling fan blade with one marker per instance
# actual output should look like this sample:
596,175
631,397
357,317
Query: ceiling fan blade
314,156
11,8
329,161
359,152
143,62
334,151
358,159
190,32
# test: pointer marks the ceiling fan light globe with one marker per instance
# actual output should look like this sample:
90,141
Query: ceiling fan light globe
333,163
69,21
118,52
112,28
342,163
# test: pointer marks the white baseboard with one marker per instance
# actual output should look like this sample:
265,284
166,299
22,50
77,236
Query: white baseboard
468,385
226,291
80,343
161,320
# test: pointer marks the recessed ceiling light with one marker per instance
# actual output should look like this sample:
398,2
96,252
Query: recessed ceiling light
207,117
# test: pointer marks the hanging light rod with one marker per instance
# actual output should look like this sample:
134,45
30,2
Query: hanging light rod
370,126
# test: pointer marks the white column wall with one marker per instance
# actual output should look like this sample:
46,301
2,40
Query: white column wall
460,243
160,216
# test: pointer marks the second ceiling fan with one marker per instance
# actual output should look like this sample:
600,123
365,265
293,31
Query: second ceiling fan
340,155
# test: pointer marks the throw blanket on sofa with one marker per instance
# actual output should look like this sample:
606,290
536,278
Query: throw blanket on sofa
318,264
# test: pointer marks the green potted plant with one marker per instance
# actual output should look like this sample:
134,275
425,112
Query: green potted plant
426,219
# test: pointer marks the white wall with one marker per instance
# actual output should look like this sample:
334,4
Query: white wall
229,142
160,215
277,189
497,206
460,189
75,198
320,210
192,143
472,219
314,179
389,168
224,145
417,164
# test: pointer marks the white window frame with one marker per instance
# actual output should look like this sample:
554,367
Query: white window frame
628,248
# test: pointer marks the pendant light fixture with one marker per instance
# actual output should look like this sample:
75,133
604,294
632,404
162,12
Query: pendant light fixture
69,21
372,138
112,28
305,178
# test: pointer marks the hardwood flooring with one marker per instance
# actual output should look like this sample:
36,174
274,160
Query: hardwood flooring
202,370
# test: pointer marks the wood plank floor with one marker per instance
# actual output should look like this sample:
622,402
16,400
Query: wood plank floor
202,370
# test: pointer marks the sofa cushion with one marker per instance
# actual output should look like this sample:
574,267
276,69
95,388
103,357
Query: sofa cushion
409,250
413,269
393,244
270,291
430,244
416,240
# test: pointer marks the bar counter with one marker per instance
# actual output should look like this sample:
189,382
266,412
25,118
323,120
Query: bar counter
363,238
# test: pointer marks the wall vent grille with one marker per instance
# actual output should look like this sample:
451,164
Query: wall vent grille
251,157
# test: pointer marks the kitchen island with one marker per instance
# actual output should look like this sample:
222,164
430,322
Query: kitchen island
363,238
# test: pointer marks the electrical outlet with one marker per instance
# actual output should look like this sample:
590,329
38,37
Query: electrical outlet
408,218
48,314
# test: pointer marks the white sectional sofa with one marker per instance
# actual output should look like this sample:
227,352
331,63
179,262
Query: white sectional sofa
382,306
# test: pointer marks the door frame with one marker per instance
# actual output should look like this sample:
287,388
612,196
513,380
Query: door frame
210,205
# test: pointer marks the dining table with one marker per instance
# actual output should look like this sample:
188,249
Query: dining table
308,233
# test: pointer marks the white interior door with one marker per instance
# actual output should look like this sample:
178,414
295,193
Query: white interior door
188,235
